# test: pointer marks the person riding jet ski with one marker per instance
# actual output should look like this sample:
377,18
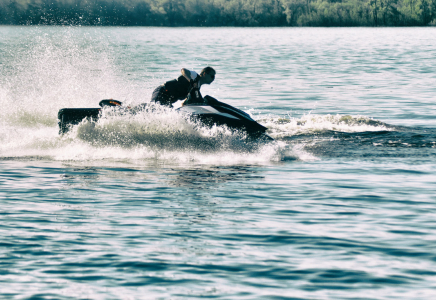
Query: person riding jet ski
179,89
208,110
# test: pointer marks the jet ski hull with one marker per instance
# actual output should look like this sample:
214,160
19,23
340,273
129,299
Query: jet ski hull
210,113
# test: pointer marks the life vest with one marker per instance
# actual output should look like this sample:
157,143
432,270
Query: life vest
178,88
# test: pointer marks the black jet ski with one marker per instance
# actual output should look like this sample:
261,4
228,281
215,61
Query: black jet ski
209,112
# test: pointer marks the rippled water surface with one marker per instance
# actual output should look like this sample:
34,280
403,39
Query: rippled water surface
340,206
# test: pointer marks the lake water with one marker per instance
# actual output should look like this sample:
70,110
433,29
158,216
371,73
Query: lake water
340,206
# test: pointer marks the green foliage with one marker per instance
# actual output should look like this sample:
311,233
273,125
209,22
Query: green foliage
220,12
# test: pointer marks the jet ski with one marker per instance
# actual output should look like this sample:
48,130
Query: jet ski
209,112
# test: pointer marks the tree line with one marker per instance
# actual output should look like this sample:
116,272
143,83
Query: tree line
219,12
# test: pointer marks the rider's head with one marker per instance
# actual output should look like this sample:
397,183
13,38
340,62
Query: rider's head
207,75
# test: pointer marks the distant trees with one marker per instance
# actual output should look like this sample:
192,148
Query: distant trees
220,12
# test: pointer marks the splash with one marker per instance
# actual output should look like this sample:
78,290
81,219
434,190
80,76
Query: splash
50,69
157,132
54,68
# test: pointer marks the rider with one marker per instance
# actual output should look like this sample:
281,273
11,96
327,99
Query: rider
178,89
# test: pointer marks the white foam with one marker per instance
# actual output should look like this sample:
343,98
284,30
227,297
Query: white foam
308,124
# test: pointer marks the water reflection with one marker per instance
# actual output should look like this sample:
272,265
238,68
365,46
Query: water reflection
204,178
200,193
192,177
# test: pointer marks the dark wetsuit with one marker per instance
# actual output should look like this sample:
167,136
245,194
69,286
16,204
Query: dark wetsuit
171,91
